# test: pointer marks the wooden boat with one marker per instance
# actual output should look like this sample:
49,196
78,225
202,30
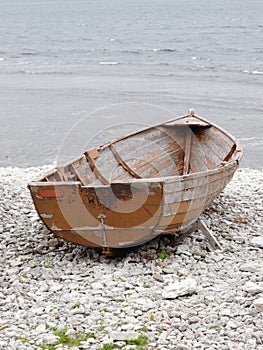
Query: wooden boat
155,181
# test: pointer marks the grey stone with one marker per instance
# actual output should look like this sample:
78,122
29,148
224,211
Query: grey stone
180,288
249,267
124,335
253,288
258,303
257,241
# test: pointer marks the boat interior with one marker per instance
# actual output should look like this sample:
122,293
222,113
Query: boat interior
170,149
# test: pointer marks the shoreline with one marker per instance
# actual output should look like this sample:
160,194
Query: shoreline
53,289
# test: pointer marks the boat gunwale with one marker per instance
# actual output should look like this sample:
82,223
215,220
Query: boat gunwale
164,179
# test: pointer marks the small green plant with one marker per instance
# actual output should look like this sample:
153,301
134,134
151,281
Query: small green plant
163,254
144,329
24,340
140,340
48,347
77,304
215,328
47,266
64,339
108,347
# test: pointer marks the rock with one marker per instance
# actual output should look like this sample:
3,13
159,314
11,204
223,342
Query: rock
158,277
258,303
183,249
128,326
165,325
44,287
97,285
144,303
40,329
120,344
182,347
257,241
249,267
253,288
124,335
49,338
180,288
226,312
259,336
56,287
194,319
232,324
249,332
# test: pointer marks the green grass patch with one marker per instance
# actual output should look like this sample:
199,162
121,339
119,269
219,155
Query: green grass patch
140,340
108,347
24,340
65,339
47,266
163,254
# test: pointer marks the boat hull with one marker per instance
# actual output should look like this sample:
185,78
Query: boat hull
169,205
163,190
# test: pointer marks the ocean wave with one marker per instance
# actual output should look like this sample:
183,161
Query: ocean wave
251,141
110,63
40,72
162,50
254,72
257,72
143,50
76,52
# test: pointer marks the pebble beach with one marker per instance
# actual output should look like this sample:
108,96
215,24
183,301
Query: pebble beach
167,294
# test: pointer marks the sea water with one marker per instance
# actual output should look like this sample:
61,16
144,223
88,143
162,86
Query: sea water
60,60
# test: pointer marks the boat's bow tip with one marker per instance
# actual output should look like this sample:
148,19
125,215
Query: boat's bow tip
191,112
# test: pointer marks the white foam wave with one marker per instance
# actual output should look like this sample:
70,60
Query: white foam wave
254,72
251,141
109,63
162,50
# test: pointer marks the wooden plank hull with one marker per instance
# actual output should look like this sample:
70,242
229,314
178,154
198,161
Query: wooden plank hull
133,189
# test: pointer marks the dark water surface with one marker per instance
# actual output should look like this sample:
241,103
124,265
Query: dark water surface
61,60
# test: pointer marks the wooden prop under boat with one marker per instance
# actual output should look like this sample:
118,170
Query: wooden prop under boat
155,181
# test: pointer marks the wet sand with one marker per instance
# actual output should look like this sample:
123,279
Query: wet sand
38,111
